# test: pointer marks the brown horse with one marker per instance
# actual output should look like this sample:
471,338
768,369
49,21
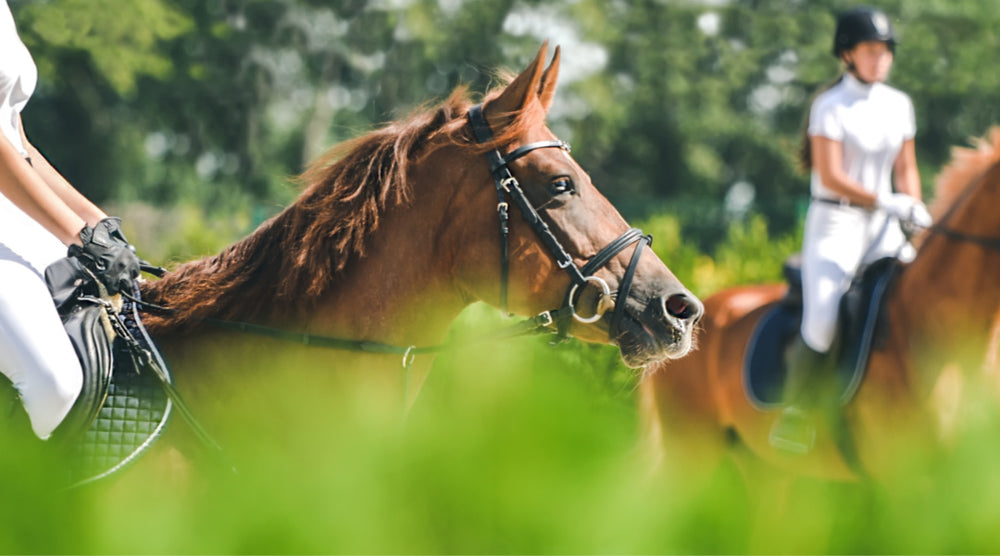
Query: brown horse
397,231
939,327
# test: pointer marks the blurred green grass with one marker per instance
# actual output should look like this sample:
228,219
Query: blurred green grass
509,450
514,447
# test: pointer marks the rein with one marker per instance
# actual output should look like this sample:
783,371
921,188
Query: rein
992,243
532,325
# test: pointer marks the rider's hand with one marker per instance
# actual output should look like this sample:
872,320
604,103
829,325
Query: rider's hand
920,216
107,254
906,208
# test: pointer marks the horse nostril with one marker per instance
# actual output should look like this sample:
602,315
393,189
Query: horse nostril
680,306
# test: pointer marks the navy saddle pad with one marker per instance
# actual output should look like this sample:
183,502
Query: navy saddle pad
764,369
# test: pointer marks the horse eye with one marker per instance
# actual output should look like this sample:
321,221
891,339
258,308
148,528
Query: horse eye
561,186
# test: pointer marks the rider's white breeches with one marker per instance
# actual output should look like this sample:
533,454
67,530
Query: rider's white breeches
35,353
837,241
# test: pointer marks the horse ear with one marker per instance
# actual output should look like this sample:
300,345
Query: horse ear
547,89
522,90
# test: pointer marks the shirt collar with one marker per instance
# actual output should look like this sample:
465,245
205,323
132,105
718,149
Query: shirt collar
856,86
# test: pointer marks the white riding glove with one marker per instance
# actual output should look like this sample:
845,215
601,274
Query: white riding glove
907,209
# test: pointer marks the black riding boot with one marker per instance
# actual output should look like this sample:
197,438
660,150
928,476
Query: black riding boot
794,430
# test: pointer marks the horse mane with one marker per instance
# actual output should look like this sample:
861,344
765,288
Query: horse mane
296,256
967,164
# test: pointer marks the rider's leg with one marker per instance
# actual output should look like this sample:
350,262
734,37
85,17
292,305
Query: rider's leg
824,284
794,431
35,353
803,364
826,258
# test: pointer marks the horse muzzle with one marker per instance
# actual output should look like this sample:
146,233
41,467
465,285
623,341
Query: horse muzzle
662,327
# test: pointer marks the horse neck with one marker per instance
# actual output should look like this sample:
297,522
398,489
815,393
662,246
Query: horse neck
948,298
401,292
398,291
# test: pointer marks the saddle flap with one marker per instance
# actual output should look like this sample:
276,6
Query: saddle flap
764,369
764,366
120,411
66,279
88,325
90,331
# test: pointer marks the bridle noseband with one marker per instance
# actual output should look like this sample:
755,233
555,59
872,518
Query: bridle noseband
506,184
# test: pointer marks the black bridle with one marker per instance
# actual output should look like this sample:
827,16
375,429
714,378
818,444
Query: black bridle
506,184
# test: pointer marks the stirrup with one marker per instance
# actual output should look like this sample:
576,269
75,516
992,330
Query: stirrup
793,432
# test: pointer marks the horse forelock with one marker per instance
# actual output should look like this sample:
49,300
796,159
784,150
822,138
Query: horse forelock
967,164
293,258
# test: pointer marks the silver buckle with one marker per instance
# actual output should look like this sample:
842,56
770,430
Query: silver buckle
546,318
408,357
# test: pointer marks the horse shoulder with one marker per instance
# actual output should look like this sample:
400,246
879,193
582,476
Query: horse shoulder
737,311
730,306
695,391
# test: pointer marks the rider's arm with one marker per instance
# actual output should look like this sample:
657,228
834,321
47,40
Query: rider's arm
827,159
20,183
905,170
79,204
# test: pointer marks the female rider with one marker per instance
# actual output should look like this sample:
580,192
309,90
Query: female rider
859,135
41,215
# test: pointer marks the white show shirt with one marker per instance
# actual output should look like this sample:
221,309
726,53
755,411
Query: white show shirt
18,77
19,233
871,122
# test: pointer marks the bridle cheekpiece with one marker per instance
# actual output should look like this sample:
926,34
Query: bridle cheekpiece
507,185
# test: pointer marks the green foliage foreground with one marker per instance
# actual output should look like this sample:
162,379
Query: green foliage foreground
507,451
515,447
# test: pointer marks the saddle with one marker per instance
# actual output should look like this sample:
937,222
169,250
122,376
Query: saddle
123,407
859,326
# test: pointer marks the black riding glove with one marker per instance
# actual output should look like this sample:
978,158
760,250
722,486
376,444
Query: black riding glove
107,254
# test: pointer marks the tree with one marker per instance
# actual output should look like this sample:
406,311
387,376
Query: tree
688,107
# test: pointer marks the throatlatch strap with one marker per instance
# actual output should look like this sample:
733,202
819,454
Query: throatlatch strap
483,133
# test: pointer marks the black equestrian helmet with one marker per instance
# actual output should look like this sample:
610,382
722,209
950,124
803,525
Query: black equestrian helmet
862,24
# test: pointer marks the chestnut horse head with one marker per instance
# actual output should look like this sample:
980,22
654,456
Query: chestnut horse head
399,229
940,327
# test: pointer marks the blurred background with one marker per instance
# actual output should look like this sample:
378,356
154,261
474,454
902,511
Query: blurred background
190,117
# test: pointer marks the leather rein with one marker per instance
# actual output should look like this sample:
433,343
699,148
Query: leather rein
992,243
506,184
